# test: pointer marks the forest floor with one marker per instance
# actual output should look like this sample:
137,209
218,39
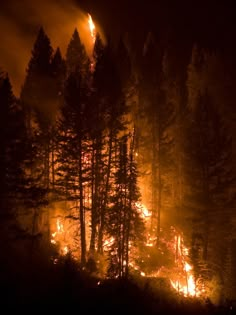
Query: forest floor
64,289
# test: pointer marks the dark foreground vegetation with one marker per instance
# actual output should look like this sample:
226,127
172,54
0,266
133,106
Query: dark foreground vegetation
64,287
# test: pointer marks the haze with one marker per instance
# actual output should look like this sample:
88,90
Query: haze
19,24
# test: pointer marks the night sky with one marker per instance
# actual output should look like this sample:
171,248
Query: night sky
211,22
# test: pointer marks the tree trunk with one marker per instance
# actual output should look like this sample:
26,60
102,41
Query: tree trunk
81,208
93,206
105,201
154,176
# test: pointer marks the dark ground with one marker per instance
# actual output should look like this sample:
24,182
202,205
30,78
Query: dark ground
62,288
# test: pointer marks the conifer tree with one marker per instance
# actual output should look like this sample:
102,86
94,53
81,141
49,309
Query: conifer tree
38,98
160,112
125,224
36,88
108,121
208,171
12,148
14,157
76,56
40,105
72,143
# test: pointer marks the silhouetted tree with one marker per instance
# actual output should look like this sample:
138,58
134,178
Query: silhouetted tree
76,56
72,146
12,149
40,99
208,167
16,184
109,119
125,224
160,112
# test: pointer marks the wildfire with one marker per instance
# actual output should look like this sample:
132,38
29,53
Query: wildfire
57,237
185,284
145,213
108,243
91,27
59,230
150,241
65,250
181,277
187,290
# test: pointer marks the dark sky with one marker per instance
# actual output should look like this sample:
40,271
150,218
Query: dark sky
208,21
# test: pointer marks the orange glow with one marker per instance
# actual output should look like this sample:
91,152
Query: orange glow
108,243
91,27
188,289
185,283
57,237
60,228
65,250
145,213
181,277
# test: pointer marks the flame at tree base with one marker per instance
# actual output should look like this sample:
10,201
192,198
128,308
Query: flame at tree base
181,276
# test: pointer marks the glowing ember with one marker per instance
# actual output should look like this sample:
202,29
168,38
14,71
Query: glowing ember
91,28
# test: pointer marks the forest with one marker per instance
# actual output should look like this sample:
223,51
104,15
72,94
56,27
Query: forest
117,168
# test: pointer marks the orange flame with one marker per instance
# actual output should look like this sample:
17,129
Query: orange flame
186,282
56,236
91,27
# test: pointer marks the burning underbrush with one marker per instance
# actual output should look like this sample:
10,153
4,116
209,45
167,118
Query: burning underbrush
169,259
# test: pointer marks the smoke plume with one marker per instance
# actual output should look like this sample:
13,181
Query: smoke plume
19,25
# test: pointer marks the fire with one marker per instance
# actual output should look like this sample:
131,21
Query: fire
181,277
189,289
91,27
108,243
65,250
57,237
187,267
145,213
60,228
185,283
150,241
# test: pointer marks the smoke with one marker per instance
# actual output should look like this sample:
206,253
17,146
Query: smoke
19,25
